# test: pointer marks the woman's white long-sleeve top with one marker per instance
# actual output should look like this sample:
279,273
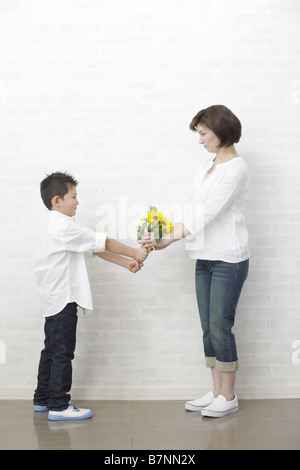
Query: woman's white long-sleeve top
216,218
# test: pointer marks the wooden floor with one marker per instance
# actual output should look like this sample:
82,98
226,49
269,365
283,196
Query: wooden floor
153,425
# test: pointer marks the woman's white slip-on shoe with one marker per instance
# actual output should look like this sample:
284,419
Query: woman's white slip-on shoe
70,414
220,407
200,403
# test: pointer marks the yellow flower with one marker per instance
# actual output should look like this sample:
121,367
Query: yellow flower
153,215
165,223
155,222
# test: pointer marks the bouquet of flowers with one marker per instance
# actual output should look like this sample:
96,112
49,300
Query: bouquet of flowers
156,223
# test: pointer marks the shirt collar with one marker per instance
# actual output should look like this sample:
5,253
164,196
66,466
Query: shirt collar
60,215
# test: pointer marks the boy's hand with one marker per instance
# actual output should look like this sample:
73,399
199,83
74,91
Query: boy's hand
134,266
140,254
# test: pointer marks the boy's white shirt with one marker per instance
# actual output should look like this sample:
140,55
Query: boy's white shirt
60,267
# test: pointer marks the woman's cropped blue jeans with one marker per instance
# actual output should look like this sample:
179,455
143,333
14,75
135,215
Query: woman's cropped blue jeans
218,288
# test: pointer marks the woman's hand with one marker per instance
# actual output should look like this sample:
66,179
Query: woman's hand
179,232
148,241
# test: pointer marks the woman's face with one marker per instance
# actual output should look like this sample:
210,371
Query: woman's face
208,139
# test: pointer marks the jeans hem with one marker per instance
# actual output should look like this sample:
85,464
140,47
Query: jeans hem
222,366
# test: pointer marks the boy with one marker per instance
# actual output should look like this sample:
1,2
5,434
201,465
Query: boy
63,285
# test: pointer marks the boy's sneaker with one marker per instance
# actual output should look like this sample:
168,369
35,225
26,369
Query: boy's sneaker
200,403
220,407
70,414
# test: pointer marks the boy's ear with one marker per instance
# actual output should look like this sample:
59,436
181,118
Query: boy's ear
55,202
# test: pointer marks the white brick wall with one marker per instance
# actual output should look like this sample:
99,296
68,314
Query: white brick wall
106,90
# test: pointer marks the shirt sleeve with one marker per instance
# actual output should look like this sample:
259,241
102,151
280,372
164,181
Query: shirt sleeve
204,210
83,239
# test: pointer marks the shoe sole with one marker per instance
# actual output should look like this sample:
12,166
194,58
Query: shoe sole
218,414
40,408
69,418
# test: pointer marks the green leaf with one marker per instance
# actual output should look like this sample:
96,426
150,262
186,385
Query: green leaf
141,230
156,234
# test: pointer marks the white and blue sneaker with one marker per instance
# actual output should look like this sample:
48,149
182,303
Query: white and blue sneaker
70,414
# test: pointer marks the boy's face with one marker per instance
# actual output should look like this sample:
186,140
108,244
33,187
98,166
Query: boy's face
68,204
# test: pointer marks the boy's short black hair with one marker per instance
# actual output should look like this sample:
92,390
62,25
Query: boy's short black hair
56,184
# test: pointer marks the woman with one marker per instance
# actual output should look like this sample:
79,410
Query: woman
220,188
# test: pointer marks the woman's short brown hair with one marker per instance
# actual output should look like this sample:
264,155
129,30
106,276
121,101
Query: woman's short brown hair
221,121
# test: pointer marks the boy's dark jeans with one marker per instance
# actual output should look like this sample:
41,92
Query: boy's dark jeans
55,368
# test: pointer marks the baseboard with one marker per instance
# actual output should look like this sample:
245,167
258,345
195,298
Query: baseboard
154,393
